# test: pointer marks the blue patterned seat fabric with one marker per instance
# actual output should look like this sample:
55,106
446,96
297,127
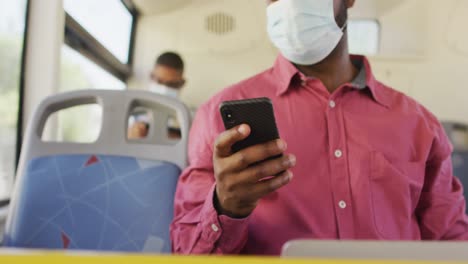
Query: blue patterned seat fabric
90,202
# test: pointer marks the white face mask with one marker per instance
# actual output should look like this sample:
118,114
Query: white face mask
164,90
305,31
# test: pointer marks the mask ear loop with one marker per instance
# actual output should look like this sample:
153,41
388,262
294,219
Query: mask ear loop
344,27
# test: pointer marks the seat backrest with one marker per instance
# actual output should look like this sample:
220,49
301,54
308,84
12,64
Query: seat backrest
113,194
377,250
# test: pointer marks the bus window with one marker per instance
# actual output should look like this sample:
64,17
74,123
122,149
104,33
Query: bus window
77,72
80,124
12,20
103,25
102,63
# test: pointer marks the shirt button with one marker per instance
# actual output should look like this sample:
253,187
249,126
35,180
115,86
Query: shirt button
342,204
332,104
338,153
215,228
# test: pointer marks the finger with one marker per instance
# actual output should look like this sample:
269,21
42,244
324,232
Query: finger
265,187
267,169
246,157
224,142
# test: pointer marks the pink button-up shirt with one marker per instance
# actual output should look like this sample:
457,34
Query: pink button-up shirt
371,164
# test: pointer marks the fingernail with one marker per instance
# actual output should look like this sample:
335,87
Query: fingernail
281,144
242,129
289,176
292,160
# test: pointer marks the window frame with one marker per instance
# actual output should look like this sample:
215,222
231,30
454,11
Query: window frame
79,39
22,82
136,16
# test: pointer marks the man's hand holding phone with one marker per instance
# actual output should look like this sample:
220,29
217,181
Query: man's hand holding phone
244,177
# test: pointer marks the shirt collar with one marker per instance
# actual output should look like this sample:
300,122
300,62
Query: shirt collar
286,73
360,81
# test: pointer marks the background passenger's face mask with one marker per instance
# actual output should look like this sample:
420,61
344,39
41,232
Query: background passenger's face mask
163,90
305,31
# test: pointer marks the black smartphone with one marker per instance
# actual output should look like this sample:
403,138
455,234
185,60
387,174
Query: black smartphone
257,113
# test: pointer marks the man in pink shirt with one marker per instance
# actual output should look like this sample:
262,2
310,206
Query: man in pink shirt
365,162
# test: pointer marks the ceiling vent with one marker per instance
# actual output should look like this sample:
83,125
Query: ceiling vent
220,23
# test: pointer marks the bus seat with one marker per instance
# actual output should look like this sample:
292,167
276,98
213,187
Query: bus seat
460,169
111,195
457,133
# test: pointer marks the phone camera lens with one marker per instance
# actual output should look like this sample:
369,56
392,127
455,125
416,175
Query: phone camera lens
228,115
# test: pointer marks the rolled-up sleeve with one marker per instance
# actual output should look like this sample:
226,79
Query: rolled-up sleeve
197,228
441,211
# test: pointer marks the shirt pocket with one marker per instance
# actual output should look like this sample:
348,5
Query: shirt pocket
395,189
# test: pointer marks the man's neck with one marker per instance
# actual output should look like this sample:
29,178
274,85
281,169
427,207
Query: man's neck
335,70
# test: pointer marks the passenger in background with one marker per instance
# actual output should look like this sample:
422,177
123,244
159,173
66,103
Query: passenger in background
167,78
368,162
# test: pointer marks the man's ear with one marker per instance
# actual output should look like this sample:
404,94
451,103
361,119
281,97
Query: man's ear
350,3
